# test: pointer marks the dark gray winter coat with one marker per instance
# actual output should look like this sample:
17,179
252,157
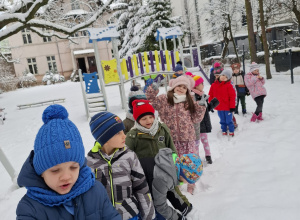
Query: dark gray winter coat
164,181
205,125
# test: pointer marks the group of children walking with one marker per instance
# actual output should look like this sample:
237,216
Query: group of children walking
141,170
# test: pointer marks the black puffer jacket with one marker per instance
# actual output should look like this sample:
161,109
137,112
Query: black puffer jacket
205,124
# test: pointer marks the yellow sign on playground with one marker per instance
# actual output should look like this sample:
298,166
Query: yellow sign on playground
110,71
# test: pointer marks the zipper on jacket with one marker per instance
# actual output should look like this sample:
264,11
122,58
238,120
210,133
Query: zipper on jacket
110,176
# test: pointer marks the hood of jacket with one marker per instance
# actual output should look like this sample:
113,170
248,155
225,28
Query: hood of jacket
96,154
164,161
29,178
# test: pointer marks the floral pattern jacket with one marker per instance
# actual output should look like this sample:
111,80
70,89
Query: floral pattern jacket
179,120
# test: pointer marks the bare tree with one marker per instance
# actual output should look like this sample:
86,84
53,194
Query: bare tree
264,38
251,36
291,5
222,19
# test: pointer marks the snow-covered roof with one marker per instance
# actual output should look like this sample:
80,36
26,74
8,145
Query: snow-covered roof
77,52
103,34
77,12
286,50
168,33
280,25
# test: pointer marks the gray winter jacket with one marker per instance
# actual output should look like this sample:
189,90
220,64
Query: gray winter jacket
125,182
164,181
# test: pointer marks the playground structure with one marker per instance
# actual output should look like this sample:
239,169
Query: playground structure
119,71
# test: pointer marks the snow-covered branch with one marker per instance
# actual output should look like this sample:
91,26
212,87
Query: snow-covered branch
49,14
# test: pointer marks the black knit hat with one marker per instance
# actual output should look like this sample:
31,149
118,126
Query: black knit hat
135,93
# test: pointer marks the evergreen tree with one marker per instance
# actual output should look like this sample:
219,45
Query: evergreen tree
126,11
157,15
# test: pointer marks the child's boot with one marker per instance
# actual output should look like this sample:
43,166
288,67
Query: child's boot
208,159
259,117
244,111
231,134
224,133
191,188
254,117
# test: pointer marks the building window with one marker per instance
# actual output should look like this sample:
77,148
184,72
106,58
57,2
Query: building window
32,65
84,33
26,36
51,63
74,35
75,4
47,39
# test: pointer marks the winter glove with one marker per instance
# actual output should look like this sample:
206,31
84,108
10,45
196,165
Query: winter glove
203,101
156,84
232,109
194,214
214,103
247,93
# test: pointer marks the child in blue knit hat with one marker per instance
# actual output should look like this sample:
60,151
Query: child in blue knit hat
119,169
58,182
169,171
178,70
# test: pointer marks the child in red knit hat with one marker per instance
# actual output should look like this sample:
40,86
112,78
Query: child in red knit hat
146,138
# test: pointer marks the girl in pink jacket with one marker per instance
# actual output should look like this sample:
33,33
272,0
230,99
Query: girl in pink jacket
179,111
255,83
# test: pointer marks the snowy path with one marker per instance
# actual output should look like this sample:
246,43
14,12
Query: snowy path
254,175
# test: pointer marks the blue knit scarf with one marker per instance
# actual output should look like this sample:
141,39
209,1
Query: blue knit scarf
85,181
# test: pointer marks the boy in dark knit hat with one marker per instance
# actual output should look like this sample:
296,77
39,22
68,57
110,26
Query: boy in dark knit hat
119,169
58,182
146,138
168,172
178,70
134,94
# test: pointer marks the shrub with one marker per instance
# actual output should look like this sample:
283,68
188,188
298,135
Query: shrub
52,78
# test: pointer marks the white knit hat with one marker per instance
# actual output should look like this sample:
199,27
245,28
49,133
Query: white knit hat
254,66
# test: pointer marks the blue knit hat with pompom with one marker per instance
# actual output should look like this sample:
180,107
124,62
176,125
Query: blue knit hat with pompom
58,140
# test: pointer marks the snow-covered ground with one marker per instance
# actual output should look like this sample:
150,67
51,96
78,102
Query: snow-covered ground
254,175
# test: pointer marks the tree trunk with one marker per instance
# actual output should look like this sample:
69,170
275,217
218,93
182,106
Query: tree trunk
296,11
232,39
264,37
251,35
226,42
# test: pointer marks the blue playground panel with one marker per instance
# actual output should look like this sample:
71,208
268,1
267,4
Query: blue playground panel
91,83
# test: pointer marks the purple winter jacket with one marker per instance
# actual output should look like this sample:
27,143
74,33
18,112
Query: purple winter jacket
255,85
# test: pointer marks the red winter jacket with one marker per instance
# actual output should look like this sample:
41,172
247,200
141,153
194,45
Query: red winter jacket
225,93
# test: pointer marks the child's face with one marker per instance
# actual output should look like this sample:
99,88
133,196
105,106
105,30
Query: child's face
180,72
117,141
223,78
200,87
62,177
180,90
255,72
236,70
147,121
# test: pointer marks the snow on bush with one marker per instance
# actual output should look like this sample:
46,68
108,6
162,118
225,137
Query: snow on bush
27,79
52,78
